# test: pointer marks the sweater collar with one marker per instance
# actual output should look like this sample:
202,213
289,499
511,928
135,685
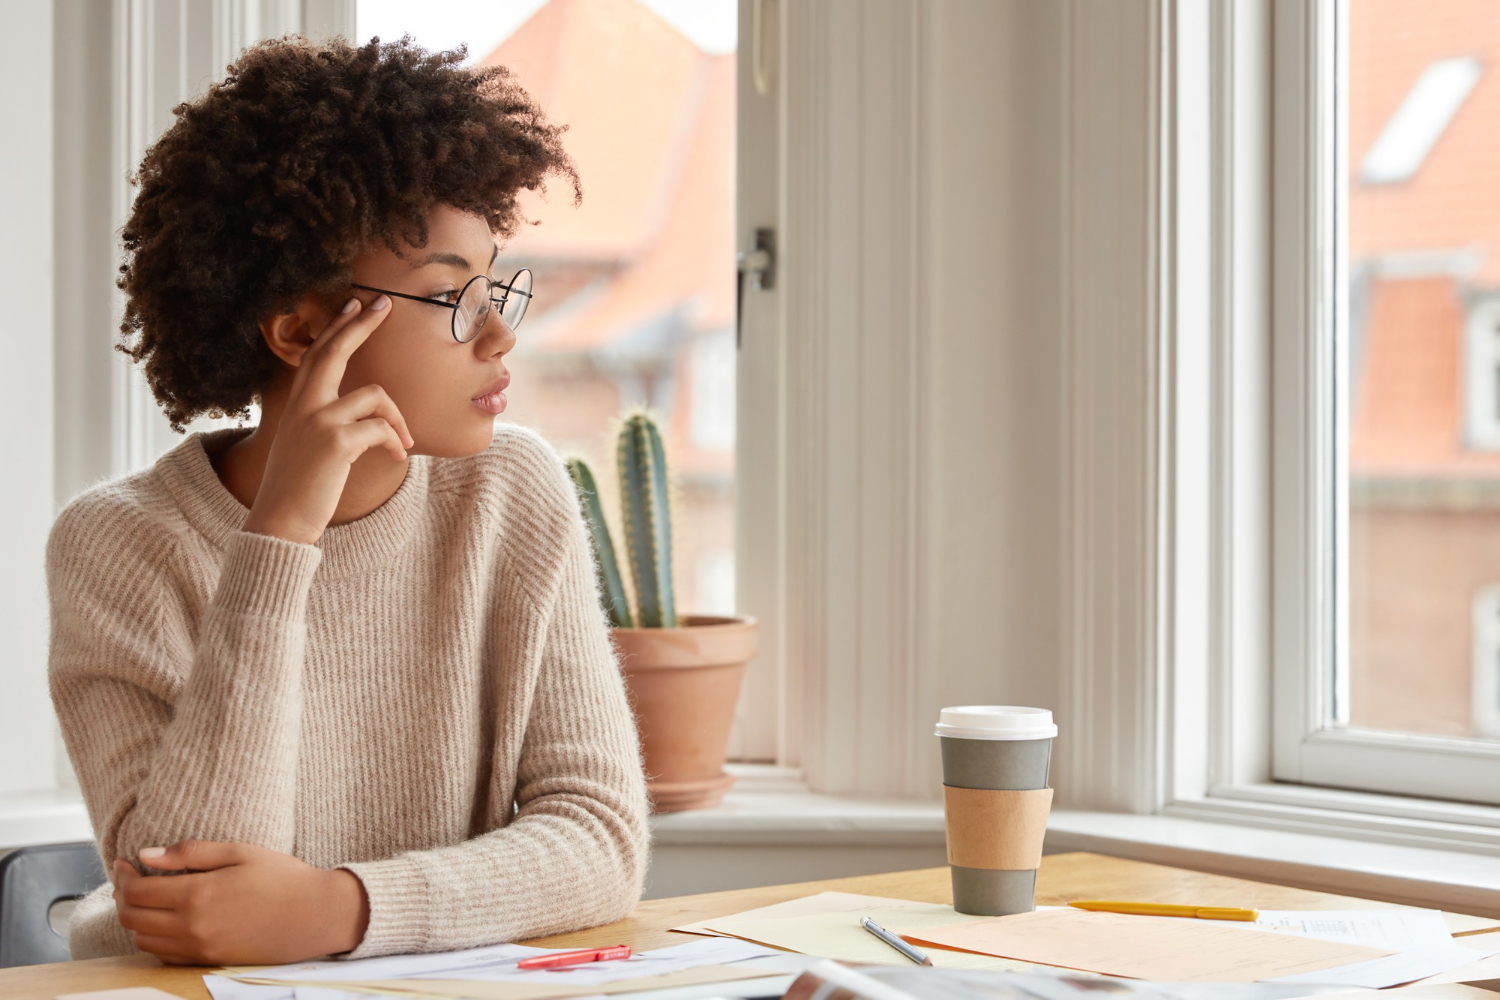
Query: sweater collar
216,513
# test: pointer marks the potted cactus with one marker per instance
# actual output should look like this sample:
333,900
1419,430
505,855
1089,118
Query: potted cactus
683,672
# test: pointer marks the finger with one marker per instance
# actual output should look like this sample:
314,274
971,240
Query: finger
145,920
160,892
369,400
181,960
192,855
167,949
340,319
372,432
123,870
325,362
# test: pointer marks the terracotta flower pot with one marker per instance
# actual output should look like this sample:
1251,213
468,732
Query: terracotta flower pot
683,684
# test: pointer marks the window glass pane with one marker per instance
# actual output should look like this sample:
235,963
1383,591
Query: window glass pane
635,288
1423,398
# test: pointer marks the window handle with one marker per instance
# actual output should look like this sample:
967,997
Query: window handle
760,264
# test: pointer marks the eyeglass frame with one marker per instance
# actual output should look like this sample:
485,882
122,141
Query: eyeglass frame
453,324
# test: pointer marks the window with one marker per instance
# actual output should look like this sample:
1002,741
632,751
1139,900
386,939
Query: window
1389,505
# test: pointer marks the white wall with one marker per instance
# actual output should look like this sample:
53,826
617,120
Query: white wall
28,743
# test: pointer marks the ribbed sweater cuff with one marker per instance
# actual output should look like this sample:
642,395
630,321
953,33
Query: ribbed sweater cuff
400,903
266,576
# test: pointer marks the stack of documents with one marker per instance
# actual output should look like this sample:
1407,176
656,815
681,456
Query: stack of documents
1347,948
490,974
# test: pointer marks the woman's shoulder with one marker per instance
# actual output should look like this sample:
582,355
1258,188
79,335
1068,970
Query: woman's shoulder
110,557
114,521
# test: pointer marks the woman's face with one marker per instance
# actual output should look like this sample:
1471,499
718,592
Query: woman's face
431,377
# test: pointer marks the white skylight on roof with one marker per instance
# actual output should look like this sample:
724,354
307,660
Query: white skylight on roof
1410,134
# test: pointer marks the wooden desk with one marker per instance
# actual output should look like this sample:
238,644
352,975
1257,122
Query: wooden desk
1063,877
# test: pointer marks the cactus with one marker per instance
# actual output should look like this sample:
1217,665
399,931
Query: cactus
611,585
646,519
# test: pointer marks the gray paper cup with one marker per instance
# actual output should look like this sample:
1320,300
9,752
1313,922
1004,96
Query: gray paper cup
1006,747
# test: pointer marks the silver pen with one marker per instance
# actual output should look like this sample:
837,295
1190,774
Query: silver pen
894,941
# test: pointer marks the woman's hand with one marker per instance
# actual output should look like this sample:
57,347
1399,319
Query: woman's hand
238,904
321,433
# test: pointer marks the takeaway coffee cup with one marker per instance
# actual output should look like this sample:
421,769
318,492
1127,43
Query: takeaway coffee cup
996,759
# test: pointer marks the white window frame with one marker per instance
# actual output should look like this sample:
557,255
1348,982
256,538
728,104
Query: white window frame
1481,361
1486,663
1197,614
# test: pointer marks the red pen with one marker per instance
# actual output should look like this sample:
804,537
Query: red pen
574,957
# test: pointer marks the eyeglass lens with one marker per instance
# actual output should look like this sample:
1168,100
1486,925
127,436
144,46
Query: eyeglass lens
475,299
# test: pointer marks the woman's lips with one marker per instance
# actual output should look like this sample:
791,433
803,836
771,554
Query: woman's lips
491,404
492,400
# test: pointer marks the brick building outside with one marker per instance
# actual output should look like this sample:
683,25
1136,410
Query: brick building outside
1424,364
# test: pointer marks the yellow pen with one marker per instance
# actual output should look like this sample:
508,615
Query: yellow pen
1168,909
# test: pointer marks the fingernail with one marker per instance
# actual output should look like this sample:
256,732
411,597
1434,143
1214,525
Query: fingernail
153,852
380,303
351,305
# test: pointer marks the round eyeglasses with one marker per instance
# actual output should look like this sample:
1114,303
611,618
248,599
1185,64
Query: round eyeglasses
472,306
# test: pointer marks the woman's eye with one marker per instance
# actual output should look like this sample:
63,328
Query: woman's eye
447,295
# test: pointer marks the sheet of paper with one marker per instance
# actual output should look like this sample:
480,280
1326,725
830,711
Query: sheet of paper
1393,970
823,902
390,966
463,989
498,964
121,993
491,972
961,985
1158,948
1479,970
224,988
1395,930
840,936
1446,991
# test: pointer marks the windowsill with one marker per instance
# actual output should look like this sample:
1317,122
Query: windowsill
770,806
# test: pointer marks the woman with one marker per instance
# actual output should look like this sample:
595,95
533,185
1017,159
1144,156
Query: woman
344,676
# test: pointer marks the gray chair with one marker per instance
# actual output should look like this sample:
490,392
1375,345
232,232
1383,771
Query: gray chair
32,880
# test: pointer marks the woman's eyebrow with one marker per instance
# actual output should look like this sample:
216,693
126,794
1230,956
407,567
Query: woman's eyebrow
453,259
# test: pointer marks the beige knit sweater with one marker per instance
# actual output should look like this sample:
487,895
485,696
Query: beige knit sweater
427,696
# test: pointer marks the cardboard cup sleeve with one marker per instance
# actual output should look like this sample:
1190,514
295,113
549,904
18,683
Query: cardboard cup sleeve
994,829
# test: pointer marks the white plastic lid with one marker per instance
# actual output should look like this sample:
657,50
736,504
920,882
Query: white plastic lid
996,722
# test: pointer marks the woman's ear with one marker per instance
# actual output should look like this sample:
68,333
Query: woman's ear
289,335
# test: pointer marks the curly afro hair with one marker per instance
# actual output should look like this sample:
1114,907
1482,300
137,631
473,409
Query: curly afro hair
266,188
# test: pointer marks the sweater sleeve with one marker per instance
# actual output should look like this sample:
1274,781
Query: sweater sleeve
175,732
575,853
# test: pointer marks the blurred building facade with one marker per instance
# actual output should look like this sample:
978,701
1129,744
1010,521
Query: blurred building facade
1424,364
